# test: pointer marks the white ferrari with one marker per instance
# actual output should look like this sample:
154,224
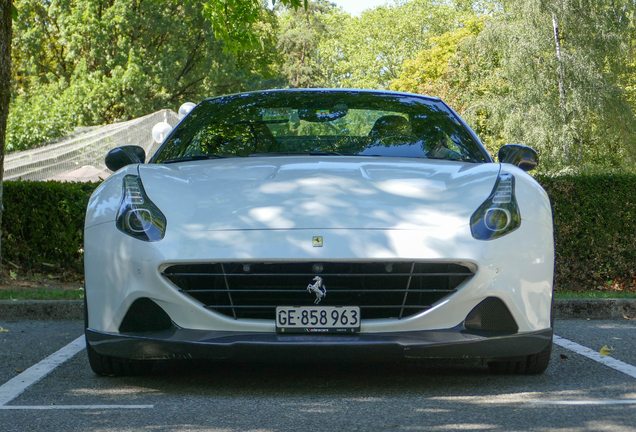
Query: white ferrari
314,225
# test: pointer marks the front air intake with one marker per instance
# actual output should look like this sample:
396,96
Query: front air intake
145,315
491,315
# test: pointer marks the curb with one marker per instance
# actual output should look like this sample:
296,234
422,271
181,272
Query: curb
57,310
45,310
595,309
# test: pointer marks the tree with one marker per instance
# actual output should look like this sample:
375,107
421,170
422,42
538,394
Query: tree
433,73
7,15
463,72
301,33
238,22
90,62
552,74
368,51
566,64
82,67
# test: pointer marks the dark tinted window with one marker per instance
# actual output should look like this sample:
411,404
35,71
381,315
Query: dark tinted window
318,122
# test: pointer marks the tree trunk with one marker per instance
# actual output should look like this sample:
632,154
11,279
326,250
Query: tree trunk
560,70
560,75
6,22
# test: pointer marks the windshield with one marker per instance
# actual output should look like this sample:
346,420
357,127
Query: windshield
320,123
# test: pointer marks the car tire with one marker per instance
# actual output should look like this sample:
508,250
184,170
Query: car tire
107,365
528,365
114,366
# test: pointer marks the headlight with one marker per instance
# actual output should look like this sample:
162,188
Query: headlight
138,216
499,214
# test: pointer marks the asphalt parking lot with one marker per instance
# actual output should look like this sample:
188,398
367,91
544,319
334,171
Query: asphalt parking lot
576,393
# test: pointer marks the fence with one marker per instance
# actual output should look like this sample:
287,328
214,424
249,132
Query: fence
80,156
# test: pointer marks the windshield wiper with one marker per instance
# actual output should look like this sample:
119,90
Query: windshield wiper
273,154
328,153
193,157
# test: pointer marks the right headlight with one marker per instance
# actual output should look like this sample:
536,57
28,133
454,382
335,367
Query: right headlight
499,214
138,216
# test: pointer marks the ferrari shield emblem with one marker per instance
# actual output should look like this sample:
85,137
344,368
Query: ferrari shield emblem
317,241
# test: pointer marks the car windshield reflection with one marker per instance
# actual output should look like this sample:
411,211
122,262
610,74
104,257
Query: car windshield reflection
321,123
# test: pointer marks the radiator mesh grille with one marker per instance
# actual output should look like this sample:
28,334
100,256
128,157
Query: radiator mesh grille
381,289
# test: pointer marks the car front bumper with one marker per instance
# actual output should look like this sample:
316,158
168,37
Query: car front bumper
120,270
258,346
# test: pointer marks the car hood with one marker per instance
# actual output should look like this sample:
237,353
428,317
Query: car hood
318,192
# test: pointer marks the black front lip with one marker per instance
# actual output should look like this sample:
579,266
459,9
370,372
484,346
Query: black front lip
251,346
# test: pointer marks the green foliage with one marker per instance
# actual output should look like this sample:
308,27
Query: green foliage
559,76
46,112
436,70
595,231
564,68
41,294
556,76
301,33
368,51
43,222
88,62
431,65
239,23
463,72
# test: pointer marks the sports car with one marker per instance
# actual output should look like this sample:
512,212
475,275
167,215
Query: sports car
319,225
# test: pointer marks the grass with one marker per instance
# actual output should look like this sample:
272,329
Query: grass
594,294
41,294
54,294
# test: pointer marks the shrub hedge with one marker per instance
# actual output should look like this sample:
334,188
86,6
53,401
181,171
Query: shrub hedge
43,225
595,231
594,215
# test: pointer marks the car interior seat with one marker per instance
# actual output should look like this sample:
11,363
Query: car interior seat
390,125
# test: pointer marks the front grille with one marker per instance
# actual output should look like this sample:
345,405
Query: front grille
381,290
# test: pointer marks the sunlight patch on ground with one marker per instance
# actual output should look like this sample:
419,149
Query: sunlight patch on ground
113,391
456,426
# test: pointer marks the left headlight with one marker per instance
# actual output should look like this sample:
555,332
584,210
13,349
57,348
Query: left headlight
138,216
499,214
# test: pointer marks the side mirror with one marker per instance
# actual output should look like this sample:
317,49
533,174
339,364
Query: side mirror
524,157
125,155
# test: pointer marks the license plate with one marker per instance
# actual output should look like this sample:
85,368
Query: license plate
317,319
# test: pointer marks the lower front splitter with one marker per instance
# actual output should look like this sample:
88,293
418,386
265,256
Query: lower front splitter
219,345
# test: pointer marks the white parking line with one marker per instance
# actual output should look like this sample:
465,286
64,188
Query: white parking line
16,385
588,402
608,361
531,398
